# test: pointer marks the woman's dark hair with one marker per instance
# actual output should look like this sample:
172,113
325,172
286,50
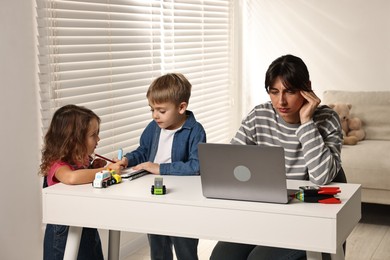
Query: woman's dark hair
291,70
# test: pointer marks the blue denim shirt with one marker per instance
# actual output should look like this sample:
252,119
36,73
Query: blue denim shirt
184,148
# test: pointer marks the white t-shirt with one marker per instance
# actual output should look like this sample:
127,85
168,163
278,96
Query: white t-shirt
164,149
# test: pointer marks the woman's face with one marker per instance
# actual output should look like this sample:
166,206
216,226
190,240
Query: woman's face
286,102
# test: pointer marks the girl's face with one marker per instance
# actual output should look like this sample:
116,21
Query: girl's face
167,115
92,136
286,102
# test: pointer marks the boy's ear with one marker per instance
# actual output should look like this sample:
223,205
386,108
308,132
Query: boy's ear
183,107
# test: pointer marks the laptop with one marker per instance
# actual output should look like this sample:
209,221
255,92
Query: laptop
243,172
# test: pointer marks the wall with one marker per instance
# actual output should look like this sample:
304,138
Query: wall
20,213
345,44
21,226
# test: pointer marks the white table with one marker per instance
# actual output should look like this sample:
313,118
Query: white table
183,211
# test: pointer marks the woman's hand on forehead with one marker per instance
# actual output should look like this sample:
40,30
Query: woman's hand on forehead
308,108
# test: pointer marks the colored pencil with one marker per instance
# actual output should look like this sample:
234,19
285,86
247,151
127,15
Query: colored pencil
104,158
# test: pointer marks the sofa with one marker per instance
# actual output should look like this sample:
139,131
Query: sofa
368,162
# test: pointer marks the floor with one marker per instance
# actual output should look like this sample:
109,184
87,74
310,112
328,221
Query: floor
370,240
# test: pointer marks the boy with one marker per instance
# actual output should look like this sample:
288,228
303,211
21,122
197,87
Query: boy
169,146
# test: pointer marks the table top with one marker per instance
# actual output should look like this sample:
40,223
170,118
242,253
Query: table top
186,190
184,211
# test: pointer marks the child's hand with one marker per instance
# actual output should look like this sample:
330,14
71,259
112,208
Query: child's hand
148,166
124,162
98,163
117,167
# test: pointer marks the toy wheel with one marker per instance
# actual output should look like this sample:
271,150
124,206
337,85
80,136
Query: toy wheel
152,189
104,184
164,190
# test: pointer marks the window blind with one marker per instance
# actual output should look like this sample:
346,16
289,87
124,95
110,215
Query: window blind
103,54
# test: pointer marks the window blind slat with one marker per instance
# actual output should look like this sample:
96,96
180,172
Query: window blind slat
103,54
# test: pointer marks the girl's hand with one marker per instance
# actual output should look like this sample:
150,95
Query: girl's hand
117,167
98,163
308,108
148,166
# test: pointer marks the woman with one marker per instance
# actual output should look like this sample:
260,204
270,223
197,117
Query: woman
309,133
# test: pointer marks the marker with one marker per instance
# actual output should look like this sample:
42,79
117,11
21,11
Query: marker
135,177
120,154
104,158
140,173
130,172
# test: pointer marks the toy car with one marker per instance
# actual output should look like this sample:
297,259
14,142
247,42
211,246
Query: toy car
158,188
102,179
106,178
115,178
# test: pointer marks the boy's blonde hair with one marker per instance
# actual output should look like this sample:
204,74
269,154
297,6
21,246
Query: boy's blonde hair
172,87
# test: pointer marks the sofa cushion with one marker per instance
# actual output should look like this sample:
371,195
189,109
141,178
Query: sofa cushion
367,163
372,107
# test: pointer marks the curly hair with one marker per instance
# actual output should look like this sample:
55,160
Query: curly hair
65,139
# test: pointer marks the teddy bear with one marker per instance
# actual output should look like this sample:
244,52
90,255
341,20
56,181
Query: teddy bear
352,126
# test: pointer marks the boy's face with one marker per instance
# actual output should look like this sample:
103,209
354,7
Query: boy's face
92,136
167,115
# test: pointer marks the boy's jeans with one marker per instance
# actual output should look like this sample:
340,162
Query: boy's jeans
161,247
55,241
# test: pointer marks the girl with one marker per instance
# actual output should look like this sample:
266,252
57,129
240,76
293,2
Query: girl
66,157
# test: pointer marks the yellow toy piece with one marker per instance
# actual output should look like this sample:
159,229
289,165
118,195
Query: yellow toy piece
115,178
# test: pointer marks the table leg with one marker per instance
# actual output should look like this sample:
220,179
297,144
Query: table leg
313,255
339,254
114,237
73,243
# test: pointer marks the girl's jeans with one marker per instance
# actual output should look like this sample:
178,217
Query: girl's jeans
55,241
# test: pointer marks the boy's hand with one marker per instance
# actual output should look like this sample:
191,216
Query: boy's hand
98,163
148,166
124,162
308,108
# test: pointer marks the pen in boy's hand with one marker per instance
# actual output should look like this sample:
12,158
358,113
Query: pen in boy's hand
104,158
120,154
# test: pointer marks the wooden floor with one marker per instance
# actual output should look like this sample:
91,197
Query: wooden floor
370,240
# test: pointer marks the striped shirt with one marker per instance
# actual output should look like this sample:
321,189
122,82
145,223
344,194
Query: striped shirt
311,150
